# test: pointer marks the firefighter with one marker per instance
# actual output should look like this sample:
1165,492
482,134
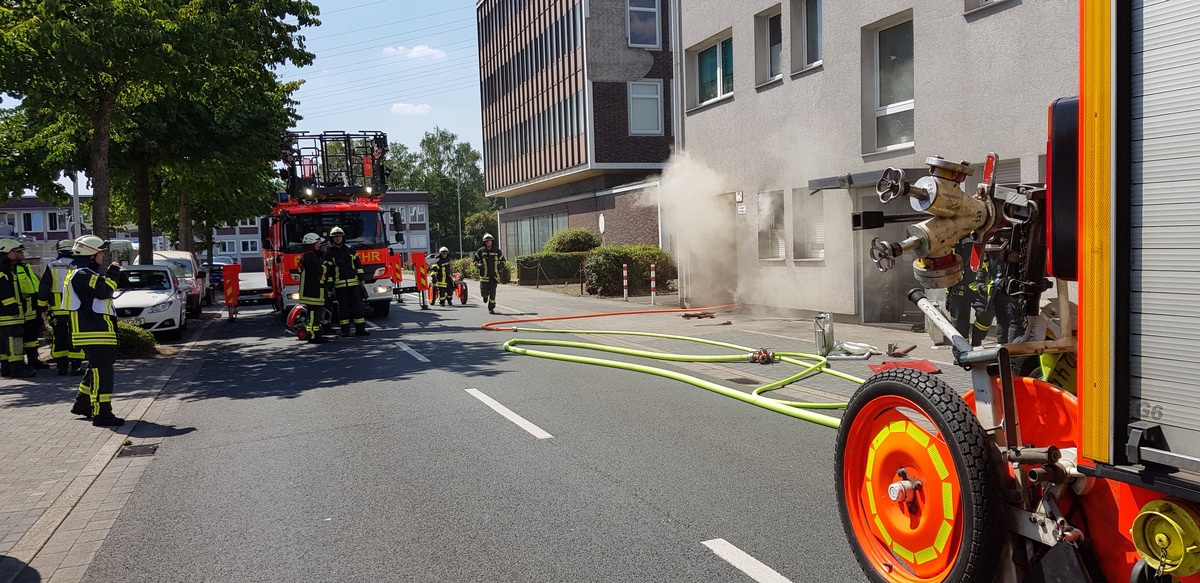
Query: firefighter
992,300
50,294
348,279
313,270
33,311
487,260
961,300
88,295
441,271
12,313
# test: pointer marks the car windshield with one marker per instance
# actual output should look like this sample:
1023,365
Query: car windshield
144,279
364,229
182,268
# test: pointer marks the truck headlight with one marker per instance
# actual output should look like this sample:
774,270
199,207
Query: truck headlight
295,296
379,289
160,307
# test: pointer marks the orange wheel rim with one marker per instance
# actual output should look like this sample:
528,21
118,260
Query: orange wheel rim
902,492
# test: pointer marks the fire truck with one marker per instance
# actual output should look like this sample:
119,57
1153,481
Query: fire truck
334,179
1095,477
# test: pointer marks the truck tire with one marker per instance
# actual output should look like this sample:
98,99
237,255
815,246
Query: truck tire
381,309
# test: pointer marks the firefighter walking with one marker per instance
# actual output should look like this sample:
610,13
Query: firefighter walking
50,295
33,312
88,296
487,260
441,272
12,313
348,278
312,285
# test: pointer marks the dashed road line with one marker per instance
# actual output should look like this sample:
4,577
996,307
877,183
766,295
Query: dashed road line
414,353
508,414
744,562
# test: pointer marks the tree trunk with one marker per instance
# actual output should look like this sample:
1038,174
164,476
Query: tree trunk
101,137
141,197
186,240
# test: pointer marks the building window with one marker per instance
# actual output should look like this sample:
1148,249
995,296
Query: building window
714,71
808,225
57,221
31,222
223,247
969,5
806,34
772,239
246,223
769,40
646,108
416,215
643,24
894,86
249,246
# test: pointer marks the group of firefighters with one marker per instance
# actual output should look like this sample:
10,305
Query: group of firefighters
75,295
331,276
983,293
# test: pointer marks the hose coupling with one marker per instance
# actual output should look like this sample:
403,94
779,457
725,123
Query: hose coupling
762,356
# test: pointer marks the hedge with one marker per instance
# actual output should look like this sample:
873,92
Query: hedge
467,268
135,342
538,268
571,241
603,268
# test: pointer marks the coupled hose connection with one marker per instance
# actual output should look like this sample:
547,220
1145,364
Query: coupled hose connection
810,364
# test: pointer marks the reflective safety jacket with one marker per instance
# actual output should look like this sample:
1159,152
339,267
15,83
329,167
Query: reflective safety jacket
486,261
441,270
313,272
29,287
52,285
347,269
12,312
88,296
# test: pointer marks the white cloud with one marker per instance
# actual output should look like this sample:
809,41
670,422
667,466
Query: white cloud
417,52
409,109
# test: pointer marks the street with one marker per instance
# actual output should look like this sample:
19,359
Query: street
425,452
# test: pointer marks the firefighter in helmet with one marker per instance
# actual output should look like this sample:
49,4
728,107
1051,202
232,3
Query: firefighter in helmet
33,311
348,279
88,295
50,295
440,270
487,260
313,273
12,313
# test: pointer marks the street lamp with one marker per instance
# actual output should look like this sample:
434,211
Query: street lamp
458,196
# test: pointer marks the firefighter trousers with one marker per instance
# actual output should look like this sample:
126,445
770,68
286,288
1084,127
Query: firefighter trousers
12,343
487,290
98,378
350,305
63,351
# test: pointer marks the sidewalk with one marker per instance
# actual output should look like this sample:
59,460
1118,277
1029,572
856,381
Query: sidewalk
61,489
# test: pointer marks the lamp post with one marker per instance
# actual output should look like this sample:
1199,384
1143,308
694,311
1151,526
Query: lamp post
77,223
458,196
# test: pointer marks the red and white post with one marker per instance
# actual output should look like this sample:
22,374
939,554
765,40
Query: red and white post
625,281
653,285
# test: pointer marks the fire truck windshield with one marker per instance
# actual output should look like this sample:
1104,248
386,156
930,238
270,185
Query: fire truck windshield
364,229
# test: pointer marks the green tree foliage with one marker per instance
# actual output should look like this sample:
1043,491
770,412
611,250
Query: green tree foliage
572,240
476,225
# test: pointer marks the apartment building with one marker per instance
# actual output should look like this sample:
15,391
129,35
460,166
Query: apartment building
576,116
798,105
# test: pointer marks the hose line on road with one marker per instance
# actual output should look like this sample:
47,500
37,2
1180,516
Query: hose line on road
810,364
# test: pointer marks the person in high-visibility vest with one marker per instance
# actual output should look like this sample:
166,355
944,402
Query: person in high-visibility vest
12,313
88,295
50,294
348,278
33,312
441,277
313,273
487,260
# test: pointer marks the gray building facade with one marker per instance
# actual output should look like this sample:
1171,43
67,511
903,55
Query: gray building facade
795,106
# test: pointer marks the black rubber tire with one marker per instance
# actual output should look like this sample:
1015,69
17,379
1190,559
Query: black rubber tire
975,460
462,299
381,309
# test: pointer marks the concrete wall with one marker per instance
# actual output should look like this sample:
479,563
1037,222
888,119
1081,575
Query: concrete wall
982,83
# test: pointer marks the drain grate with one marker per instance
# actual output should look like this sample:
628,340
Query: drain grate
138,450
743,381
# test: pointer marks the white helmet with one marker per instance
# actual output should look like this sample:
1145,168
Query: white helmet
64,246
310,238
487,237
89,245
337,232
10,245
443,250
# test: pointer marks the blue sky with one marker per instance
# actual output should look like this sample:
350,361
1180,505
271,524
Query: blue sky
398,66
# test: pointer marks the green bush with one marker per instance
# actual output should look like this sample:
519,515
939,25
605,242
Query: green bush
603,269
571,241
467,268
549,267
134,342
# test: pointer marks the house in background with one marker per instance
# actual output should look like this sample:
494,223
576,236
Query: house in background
412,208
576,116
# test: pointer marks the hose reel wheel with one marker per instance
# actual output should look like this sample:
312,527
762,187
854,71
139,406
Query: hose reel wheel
1167,534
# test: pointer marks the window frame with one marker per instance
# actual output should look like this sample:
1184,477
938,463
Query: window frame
251,243
773,224
801,33
657,11
717,43
416,215
659,98
883,110
60,222
762,46
804,203
34,220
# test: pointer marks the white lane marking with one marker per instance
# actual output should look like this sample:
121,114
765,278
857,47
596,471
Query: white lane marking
508,414
744,562
414,353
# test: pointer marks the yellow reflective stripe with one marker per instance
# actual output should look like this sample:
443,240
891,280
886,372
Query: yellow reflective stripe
9,301
943,536
938,463
947,501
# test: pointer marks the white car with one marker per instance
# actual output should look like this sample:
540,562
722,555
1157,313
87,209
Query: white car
152,297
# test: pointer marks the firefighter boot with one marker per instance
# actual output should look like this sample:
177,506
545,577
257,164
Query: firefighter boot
76,367
64,364
5,369
17,369
317,339
31,356
345,330
978,334
361,330
106,418
82,406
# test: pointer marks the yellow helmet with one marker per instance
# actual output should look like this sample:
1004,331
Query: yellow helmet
10,245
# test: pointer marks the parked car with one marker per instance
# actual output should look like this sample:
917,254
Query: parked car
217,275
191,277
151,296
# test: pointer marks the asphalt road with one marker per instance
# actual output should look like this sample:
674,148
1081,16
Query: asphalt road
357,461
